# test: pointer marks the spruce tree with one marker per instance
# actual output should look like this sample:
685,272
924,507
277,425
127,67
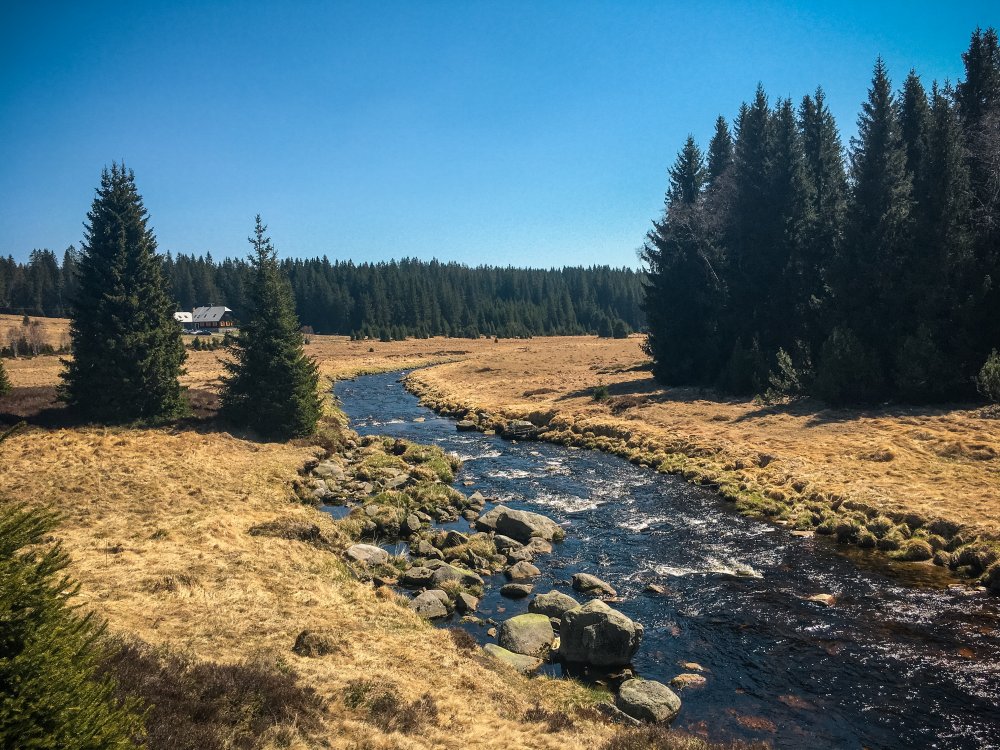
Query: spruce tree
5,386
937,357
914,129
49,655
127,348
683,292
878,236
824,167
790,257
720,152
271,386
978,98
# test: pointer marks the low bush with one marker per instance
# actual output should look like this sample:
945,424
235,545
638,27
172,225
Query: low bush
387,710
200,705
988,380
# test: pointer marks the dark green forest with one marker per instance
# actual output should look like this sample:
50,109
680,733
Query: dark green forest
784,264
379,300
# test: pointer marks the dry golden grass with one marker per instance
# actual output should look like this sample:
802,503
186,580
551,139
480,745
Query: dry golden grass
55,331
938,462
156,524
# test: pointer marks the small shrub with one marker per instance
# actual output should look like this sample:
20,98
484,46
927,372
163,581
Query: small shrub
600,392
555,721
788,380
988,380
5,386
290,528
463,640
387,710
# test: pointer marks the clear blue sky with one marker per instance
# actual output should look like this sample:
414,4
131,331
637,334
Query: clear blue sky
524,133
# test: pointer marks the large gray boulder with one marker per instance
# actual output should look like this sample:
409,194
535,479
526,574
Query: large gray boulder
520,662
588,584
505,544
522,571
531,635
430,605
445,573
553,604
647,700
367,554
416,577
597,635
519,525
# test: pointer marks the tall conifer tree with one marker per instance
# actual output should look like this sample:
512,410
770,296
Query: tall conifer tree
824,166
127,349
877,239
271,386
720,152
978,97
683,292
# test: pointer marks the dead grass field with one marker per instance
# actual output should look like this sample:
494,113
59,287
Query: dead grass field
54,331
156,524
938,462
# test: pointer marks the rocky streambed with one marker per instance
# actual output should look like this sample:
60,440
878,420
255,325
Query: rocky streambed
761,633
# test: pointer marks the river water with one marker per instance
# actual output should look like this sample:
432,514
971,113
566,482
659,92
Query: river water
900,661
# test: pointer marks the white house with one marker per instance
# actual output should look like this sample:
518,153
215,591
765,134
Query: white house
186,319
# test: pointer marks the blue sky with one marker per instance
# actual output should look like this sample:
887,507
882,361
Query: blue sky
530,134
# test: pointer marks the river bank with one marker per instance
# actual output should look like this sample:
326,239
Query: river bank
920,485
735,595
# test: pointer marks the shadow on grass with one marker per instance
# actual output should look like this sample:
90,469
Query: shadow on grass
647,391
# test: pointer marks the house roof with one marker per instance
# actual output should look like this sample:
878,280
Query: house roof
209,314
183,317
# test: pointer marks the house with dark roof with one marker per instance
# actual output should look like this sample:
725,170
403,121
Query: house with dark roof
213,317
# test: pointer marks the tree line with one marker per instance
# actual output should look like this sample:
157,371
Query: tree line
419,298
784,263
390,300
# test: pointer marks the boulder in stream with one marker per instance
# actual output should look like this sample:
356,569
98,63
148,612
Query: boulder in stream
522,571
596,635
367,554
445,573
531,635
520,662
520,525
553,604
592,585
430,604
515,590
648,700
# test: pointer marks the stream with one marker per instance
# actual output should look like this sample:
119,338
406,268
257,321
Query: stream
901,660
